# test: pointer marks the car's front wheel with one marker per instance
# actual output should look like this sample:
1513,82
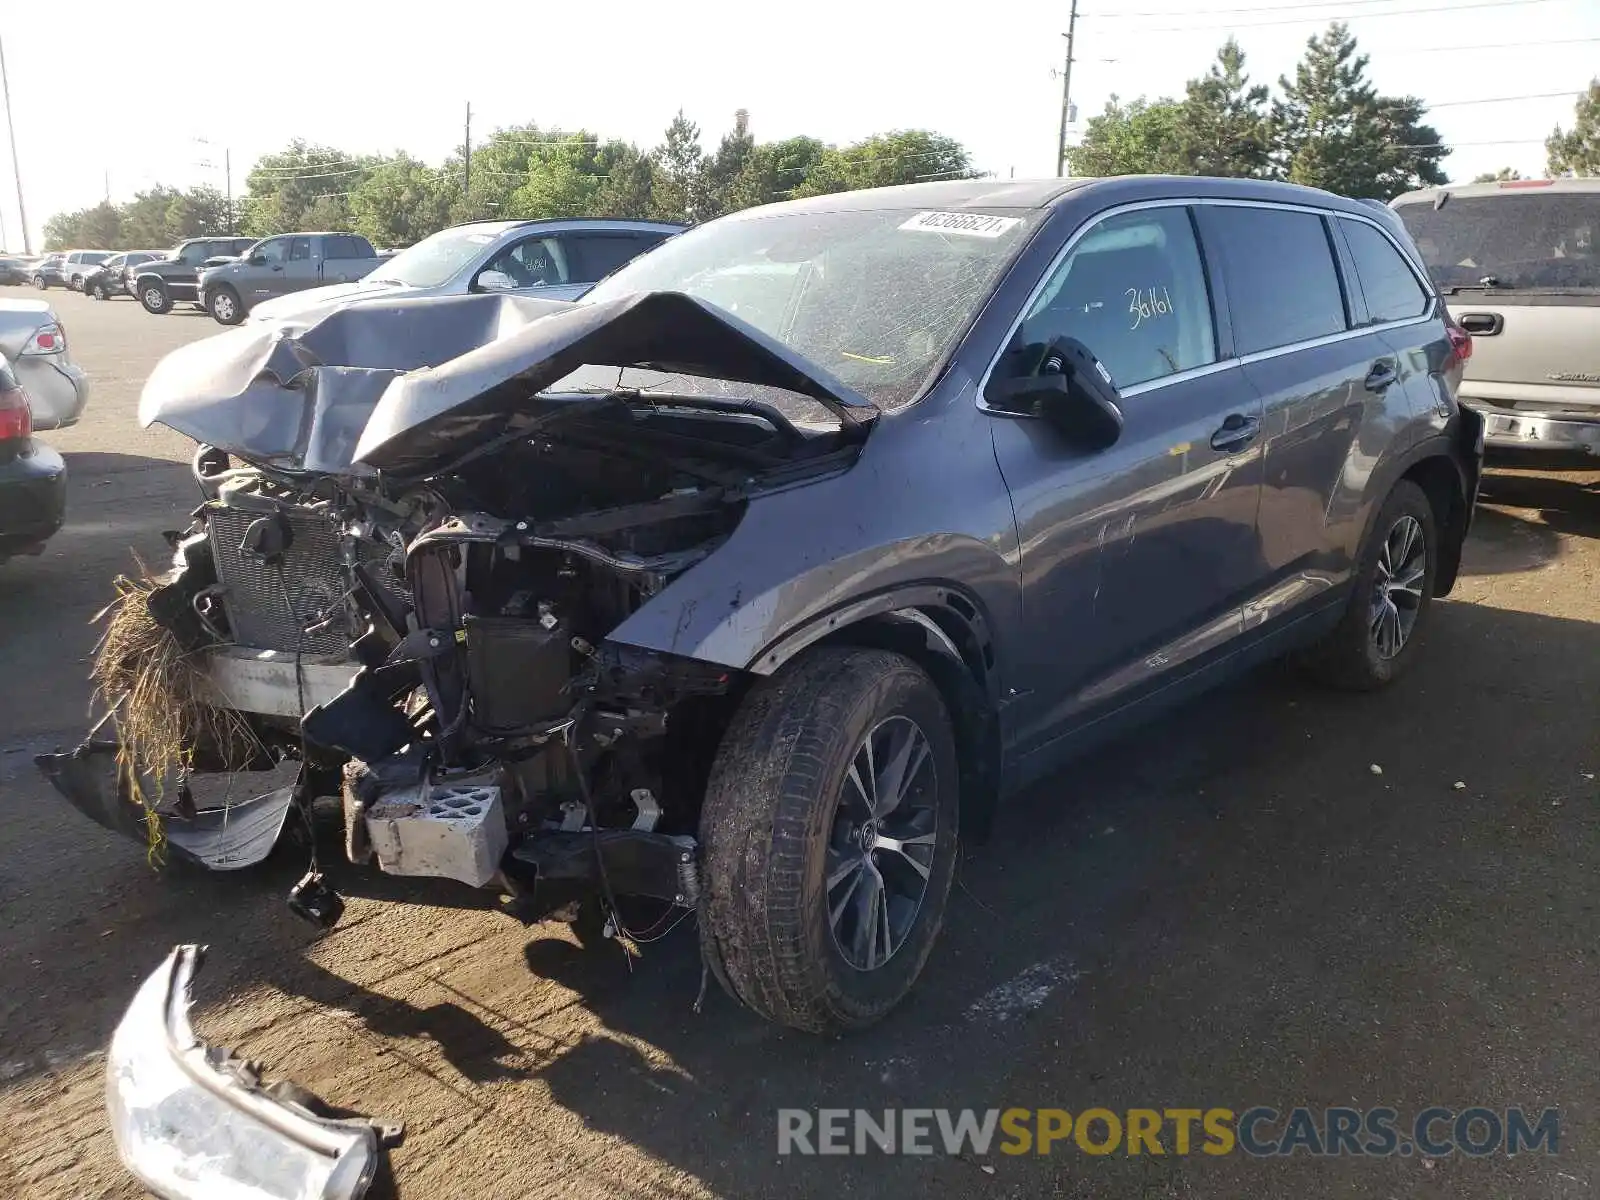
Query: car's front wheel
1376,640
155,299
40,282
223,304
830,835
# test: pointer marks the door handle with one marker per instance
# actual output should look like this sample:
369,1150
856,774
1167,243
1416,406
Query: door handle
1382,376
1237,430
1482,324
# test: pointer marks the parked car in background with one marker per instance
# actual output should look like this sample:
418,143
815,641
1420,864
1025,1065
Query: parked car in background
33,341
278,266
15,269
33,478
559,260
166,281
76,264
755,615
1519,264
47,271
110,278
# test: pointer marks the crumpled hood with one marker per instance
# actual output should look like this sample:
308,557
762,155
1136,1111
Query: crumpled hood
402,385
301,303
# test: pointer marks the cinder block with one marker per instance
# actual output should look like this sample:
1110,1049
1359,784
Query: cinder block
452,831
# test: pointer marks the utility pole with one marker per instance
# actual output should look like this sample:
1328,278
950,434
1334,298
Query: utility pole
1066,92
227,174
108,187
11,132
466,165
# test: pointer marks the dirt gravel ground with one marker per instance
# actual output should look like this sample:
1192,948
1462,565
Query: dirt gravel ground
1230,909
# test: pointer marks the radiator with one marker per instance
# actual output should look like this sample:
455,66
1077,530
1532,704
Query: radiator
269,604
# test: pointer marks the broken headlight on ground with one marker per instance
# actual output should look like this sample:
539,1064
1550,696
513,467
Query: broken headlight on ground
194,1122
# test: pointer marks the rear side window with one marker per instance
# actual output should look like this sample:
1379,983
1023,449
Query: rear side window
1282,285
345,245
1133,291
299,249
595,255
1391,289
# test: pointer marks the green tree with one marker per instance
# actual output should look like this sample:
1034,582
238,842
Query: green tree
1225,127
305,186
1142,137
1332,129
886,159
198,212
403,201
678,192
1577,151
629,186
1504,174
728,167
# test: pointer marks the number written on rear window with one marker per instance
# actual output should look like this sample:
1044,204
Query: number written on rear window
1282,285
1391,289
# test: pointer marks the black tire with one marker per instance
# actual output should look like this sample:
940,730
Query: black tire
101,292
777,818
223,299
155,297
40,282
1352,657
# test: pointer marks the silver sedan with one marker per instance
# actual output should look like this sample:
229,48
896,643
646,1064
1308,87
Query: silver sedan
32,338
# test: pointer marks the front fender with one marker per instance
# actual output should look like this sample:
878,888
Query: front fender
922,517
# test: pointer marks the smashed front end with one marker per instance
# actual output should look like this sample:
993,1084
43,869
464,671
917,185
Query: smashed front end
421,523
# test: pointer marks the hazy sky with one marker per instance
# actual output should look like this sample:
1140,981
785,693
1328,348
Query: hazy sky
369,78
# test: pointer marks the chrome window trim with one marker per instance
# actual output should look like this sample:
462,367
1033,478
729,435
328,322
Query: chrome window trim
1236,360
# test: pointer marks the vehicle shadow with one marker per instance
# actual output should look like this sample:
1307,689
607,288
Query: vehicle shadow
1521,519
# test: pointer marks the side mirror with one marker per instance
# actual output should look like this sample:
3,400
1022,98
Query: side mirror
1067,386
258,260
495,281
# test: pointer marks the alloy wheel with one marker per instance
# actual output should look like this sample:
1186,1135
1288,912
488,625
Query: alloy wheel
222,306
1397,589
881,846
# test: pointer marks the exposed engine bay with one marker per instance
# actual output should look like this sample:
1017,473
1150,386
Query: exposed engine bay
428,642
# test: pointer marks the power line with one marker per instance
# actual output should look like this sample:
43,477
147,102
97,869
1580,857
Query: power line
1398,12
1490,46
1216,12
1502,99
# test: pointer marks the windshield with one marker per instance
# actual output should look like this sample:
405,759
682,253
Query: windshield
437,257
877,298
1515,239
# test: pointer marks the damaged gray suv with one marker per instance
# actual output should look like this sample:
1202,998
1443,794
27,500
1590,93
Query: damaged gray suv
751,583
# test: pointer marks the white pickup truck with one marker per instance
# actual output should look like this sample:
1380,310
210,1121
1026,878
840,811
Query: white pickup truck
277,266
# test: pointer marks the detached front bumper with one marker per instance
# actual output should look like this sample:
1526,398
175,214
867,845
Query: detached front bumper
1529,431
194,1123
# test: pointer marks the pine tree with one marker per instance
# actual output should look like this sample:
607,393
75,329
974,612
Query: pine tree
724,169
1225,128
1332,130
1577,152
679,192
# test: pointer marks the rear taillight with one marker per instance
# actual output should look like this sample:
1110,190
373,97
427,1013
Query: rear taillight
16,418
47,339
1460,341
